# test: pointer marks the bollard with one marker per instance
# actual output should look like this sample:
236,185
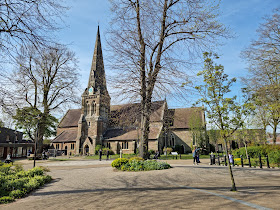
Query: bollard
260,159
249,159
180,156
241,160
214,160
267,161
211,161
219,163
176,157
225,158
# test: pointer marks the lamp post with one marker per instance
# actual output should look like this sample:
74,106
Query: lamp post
15,139
36,139
165,135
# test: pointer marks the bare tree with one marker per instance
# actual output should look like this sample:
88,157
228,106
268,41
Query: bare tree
154,41
44,81
24,23
264,71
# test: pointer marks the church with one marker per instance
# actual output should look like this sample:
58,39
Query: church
118,126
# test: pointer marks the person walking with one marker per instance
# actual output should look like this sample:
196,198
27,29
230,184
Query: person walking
194,152
100,154
107,153
230,158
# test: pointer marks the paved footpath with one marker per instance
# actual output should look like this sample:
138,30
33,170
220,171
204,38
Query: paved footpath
95,184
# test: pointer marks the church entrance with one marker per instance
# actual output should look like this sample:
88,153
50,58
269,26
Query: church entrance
86,150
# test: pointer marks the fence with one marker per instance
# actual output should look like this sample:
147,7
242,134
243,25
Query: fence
223,160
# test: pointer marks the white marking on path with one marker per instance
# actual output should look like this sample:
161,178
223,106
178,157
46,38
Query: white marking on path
225,197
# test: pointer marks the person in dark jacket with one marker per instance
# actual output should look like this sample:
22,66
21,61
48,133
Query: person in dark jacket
100,154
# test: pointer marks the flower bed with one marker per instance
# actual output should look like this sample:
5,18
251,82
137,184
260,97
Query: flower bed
16,183
138,164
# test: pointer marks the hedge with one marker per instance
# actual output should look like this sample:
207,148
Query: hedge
16,183
273,152
138,164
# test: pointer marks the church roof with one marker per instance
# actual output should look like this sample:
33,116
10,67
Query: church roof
66,136
186,117
70,119
130,114
130,134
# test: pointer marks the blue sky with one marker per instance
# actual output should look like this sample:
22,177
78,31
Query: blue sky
241,16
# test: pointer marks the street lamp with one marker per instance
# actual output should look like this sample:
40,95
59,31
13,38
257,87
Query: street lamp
165,138
15,140
36,139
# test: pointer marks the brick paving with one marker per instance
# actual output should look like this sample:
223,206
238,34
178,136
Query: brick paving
93,184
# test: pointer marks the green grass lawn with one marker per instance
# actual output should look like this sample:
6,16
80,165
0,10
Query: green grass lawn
162,157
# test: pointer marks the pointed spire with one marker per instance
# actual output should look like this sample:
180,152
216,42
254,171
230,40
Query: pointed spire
97,72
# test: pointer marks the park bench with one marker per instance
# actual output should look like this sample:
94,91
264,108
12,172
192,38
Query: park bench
174,154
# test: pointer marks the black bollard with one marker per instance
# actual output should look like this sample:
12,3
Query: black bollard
249,159
219,163
176,157
260,159
225,158
211,161
241,160
267,161
180,156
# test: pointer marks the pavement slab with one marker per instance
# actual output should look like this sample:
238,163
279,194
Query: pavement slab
94,184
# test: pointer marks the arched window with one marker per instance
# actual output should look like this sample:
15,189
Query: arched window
93,108
172,140
88,109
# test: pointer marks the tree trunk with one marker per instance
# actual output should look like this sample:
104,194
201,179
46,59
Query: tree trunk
246,150
145,125
274,132
233,187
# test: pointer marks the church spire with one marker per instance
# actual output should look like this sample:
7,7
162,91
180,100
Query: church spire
97,78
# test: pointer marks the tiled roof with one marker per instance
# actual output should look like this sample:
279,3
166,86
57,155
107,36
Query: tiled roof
120,116
130,134
70,119
66,136
186,117
129,114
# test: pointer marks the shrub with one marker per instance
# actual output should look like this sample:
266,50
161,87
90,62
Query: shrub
151,152
35,171
15,183
138,164
119,162
32,184
104,151
135,158
97,148
274,157
18,168
5,168
17,193
168,149
6,199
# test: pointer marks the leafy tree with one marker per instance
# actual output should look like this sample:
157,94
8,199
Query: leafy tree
223,112
28,119
198,130
151,40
